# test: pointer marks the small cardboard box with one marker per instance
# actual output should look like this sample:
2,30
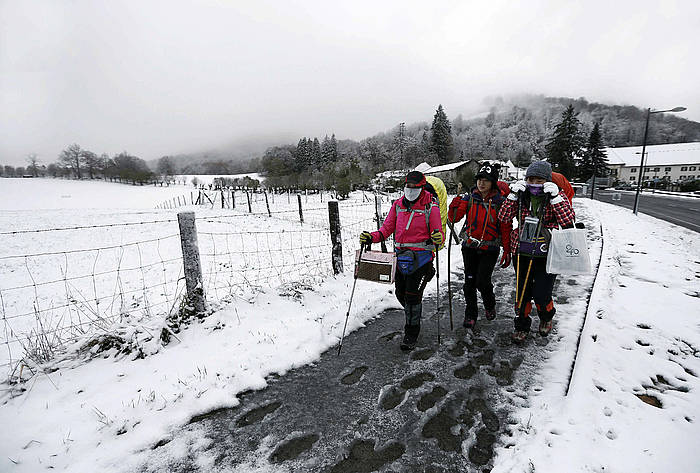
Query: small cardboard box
375,266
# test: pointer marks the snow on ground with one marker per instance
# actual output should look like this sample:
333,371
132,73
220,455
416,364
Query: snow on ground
99,415
108,263
64,194
74,407
641,340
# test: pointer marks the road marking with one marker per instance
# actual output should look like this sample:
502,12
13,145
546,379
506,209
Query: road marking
684,221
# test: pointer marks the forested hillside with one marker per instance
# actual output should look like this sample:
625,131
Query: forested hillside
516,128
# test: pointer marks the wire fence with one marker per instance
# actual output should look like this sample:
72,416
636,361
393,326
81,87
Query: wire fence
62,293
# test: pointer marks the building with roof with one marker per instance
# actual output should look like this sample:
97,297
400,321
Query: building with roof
671,163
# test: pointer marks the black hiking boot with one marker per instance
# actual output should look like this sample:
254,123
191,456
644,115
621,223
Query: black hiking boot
410,338
408,343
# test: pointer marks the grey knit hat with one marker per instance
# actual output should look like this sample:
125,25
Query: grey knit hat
539,169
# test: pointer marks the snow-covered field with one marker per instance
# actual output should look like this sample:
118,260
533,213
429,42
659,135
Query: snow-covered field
641,337
67,271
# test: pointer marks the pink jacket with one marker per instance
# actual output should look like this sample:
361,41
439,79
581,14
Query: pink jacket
408,226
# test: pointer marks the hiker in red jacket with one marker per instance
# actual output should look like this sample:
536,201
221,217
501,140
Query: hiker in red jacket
539,207
414,219
482,236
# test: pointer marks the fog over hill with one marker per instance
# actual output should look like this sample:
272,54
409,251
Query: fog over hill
510,126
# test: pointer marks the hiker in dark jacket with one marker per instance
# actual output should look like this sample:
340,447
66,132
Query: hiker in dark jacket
415,222
539,208
482,236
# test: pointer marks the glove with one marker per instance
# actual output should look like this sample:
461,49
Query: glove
551,188
452,209
436,237
518,186
505,259
365,238
515,189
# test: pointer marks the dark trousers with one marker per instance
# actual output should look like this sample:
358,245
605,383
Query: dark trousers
538,286
478,268
409,291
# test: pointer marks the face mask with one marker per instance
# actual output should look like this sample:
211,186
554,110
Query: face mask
411,193
535,189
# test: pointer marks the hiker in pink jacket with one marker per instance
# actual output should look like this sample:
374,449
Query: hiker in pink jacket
414,219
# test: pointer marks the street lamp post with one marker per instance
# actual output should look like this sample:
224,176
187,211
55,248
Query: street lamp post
644,146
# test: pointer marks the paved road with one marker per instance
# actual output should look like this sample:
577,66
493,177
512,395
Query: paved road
682,211
441,408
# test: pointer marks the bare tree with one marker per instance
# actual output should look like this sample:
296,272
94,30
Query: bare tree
71,157
93,163
33,161
166,167
53,169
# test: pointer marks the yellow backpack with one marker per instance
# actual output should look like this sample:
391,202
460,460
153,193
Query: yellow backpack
437,188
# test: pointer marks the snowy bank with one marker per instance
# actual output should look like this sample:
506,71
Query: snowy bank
633,404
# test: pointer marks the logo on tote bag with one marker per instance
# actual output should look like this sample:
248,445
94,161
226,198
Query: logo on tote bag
571,251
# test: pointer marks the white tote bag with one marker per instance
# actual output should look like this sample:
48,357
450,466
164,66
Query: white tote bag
568,252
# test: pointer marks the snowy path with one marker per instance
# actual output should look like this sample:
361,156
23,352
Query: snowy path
374,408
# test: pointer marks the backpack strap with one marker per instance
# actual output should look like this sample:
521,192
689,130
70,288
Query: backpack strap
425,211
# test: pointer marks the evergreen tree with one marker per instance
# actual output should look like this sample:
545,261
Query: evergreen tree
316,157
441,137
334,148
565,144
302,156
326,151
594,158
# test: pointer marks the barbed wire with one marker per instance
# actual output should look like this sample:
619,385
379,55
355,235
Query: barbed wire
84,227
84,250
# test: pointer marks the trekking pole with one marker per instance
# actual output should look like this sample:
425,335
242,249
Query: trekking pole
437,301
352,293
517,263
449,270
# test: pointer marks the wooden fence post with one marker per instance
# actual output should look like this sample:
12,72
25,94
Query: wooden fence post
250,209
336,240
301,215
233,200
191,263
267,203
378,216
223,199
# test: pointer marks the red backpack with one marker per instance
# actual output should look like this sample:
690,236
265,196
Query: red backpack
564,185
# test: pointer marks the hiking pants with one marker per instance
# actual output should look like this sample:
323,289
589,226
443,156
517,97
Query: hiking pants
478,268
539,286
409,290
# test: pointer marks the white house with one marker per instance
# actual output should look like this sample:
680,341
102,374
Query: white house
673,163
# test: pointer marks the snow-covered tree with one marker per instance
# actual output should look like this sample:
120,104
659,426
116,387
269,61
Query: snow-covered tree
441,137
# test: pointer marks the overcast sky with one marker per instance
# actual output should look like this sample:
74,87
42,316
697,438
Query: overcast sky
157,78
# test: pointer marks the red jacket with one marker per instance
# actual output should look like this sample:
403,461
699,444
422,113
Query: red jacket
408,224
482,219
555,215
